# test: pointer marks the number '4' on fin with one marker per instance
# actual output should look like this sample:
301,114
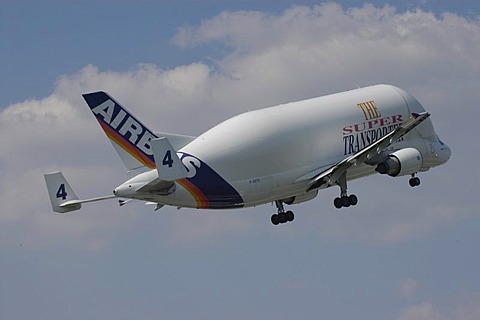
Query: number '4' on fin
169,166
62,197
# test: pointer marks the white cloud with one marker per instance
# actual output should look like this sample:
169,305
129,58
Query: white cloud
464,307
300,53
326,47
422,311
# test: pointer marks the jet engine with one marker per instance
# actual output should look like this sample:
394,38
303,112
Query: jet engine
401,162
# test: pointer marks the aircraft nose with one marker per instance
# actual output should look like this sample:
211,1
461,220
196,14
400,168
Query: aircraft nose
448,153
445,152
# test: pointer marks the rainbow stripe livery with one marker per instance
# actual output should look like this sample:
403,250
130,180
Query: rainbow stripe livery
122,128
131,137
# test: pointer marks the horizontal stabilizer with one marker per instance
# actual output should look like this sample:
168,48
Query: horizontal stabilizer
169,166
62,197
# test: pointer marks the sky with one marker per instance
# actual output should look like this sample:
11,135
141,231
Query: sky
180,66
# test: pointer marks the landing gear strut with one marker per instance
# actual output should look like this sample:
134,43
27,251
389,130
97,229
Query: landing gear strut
282,216
344,200
414,181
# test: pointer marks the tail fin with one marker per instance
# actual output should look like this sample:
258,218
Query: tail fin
169,166
128,135
62,197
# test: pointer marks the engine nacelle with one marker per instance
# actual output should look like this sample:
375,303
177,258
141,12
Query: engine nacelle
401,162
301,197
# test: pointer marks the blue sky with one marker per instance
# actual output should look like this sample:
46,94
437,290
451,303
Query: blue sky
185,66
42,40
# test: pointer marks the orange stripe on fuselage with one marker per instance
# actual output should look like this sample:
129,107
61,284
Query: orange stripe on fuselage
200,198
127,146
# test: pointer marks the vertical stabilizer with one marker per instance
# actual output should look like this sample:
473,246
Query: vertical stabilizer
131,138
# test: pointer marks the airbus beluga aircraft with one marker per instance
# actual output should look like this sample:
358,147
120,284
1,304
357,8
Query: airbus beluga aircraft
283,154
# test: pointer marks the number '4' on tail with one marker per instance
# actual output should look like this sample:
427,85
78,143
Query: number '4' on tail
62,197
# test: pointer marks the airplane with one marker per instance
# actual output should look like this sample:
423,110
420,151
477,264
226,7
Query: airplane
283,154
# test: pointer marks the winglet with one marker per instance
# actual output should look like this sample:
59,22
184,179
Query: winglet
169,166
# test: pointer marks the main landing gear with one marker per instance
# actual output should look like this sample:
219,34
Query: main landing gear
282,216
345,200
414,181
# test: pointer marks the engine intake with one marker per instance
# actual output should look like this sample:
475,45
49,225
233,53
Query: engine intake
402,162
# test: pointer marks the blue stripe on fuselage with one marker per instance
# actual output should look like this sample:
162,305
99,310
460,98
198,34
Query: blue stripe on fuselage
218,191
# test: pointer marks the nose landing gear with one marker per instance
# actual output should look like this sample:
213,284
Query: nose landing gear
414,181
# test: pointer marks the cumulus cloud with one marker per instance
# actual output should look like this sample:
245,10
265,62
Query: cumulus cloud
300,53
326,48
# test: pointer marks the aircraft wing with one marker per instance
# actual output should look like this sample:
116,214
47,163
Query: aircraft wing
333,173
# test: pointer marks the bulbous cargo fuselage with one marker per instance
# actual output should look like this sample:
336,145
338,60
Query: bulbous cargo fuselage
270,154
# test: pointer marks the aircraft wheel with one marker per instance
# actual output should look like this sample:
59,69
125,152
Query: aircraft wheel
282,217
345,201
275,219
411,182
337,202
353,199
414,182
290,216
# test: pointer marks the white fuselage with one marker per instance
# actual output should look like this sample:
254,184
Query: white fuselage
271,154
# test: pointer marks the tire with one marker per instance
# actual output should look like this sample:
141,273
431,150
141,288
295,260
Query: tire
345,201
282,217
353,199
290,216
337,202
411,182
275,219
414,182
